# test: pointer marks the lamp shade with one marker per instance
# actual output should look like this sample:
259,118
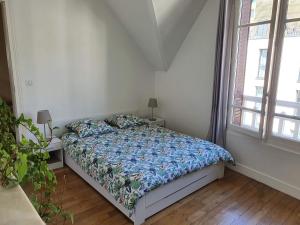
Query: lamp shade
152,103
43,117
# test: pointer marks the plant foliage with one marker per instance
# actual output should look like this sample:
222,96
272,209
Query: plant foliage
25,161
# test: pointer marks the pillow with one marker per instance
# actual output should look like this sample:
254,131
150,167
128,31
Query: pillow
85,128
73,125
125,120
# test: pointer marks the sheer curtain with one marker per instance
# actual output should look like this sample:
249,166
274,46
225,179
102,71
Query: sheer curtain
218,123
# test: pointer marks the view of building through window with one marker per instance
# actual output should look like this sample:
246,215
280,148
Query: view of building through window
250,71
287,86
262,63
259,91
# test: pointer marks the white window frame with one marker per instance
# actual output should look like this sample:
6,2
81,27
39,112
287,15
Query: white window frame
267,112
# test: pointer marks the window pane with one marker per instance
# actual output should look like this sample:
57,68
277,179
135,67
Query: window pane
287,100
262,63
253,11
259,91
293,9
248,119
251,60
286,128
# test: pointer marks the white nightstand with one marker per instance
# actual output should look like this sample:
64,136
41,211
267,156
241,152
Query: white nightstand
55,150
159,122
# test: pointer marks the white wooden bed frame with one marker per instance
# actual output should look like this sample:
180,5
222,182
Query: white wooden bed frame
161,197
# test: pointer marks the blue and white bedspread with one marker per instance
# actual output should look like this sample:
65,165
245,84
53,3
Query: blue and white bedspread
130,162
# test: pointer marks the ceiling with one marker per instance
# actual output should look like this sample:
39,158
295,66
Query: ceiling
158,26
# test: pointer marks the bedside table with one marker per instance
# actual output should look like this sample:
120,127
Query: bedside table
158,122
55,150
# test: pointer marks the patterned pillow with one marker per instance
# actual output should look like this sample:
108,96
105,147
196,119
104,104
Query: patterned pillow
85,128
125,120
73,125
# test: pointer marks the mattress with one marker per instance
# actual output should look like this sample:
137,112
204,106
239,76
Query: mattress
128,163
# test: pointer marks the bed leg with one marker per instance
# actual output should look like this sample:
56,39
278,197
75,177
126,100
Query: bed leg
140,212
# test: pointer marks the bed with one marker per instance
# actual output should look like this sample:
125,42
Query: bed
144,169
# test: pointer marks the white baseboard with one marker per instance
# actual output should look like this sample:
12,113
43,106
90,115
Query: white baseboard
268,180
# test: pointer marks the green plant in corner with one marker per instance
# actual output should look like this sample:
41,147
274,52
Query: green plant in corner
25,162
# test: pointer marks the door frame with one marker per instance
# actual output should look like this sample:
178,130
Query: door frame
11,59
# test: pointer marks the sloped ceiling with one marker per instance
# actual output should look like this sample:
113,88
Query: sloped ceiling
158,26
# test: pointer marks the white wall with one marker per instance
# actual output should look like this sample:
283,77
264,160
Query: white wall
185,96
80,60
139,19
185,90
175,19
268,164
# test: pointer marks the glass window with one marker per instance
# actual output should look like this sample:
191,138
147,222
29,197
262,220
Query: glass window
286,103
293,9
253,11
259,91
262,63
252,46
286,128
283,77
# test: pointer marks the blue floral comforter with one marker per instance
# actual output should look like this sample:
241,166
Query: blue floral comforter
130,162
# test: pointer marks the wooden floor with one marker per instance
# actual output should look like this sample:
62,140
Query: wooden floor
235,199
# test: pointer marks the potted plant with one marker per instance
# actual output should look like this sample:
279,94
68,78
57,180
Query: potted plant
25,162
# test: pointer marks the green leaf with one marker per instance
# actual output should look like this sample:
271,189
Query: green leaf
24,162
21,166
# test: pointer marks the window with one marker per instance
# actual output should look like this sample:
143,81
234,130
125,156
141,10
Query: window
262,63
253,6
297,112
267,62
259,91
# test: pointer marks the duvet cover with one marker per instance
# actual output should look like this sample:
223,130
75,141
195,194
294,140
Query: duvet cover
131,162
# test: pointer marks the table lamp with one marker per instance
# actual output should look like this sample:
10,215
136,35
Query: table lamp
152,104
44,117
